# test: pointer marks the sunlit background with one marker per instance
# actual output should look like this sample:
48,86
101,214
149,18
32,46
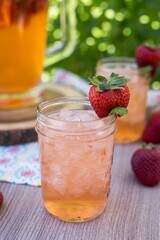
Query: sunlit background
106,28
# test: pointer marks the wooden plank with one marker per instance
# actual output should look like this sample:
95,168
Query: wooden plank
132,212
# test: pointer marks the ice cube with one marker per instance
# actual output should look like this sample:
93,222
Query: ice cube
56,169
59,184
64,114
84,116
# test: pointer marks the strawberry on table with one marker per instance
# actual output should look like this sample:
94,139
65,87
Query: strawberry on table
145,164
1,198
152,130
109,95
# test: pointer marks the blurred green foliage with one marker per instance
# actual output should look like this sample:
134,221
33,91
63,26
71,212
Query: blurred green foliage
107,28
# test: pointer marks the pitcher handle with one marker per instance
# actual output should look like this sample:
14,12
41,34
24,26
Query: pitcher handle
68,40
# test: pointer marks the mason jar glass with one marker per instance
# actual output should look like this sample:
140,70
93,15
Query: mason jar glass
131,126
76,152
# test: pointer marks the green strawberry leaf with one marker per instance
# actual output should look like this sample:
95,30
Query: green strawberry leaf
97,80
102,87
148,145
113,82
121,111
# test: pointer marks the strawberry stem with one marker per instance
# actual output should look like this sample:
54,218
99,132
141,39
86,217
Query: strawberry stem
114,81
148,146
120,111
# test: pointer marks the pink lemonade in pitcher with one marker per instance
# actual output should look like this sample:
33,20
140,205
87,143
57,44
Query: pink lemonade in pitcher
76,149
22,41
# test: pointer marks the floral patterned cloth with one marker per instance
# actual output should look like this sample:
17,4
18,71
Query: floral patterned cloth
20,164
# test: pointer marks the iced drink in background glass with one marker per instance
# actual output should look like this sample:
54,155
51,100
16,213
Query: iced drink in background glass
76,151
131,126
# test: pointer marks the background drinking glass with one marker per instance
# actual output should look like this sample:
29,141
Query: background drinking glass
22,41
76,151
131,126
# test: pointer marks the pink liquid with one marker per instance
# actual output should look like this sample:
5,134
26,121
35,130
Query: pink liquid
76,171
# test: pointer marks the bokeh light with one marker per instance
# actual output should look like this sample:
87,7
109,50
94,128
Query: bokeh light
107,28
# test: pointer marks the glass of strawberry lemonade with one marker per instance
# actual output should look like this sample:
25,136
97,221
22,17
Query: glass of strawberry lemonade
76,151
131,126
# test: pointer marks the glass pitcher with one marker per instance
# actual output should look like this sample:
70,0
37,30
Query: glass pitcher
22,48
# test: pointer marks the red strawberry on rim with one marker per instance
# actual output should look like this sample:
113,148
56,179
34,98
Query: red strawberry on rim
145,164
109,95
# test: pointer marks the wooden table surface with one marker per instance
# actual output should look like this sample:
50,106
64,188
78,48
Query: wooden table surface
132,212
